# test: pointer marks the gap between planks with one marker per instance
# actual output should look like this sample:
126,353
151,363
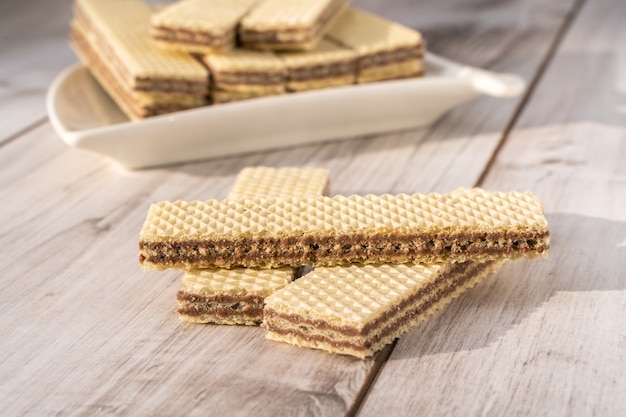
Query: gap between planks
23,131
556,43
383,356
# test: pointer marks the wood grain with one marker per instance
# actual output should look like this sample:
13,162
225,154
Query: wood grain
542,337
85,332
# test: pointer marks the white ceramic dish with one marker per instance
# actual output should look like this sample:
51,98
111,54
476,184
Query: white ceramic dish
85,117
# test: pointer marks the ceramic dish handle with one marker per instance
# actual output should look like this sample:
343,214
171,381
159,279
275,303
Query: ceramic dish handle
485,82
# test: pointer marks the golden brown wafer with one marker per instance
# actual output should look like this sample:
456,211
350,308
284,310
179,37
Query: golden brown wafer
288,24
386,50
357,310
199,26
121,32
467,224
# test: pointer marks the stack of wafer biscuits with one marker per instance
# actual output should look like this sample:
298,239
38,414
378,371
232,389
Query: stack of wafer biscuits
382,263
112,39
192,53
237,295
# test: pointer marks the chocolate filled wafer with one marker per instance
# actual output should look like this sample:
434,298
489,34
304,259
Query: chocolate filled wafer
467,224
357,310
121,33
242,73
135,104
288,24
386,50
326,65
236,296
199,26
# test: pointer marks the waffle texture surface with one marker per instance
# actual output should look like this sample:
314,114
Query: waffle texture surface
464,224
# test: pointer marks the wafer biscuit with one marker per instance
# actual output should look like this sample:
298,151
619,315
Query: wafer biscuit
121,29
326,65
135,104
243,73
357,310
288,24
254,182
229,296
199,26
386,50
468,224
236,296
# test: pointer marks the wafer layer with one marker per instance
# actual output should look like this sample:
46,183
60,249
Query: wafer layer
121,28
201,26
357,310
288,24
135,104
386,50
463,225
326,65
236,296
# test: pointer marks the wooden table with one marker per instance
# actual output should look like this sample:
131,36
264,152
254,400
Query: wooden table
83,331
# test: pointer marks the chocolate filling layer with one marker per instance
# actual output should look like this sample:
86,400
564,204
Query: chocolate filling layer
390,57
193,37
328,249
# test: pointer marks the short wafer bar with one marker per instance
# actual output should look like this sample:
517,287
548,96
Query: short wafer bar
236,296
199,26
243,73
357,310
467,224
254,182
326,65
386,50
229,296
121,29
135,104
288,24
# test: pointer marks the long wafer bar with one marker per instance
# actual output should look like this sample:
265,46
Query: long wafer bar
200,26
236,296
121,29
288,24
468,224
386,50
357,310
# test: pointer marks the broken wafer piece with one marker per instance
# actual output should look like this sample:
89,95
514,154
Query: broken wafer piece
235,296
386,50
243,73
288,24
121,29
135,104
467,224
229,296
357,310
199,26
326,65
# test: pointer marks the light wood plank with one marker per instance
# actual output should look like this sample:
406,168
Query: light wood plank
84,331
543,337
33,50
